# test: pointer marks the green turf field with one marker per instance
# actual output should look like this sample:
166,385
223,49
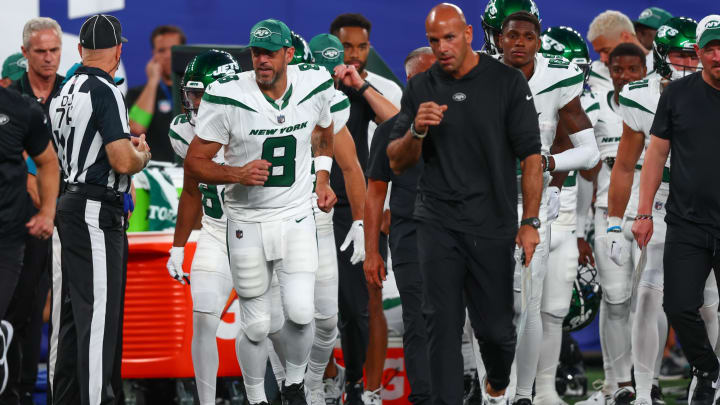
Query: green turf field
673,390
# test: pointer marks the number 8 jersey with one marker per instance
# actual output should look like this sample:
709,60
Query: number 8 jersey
235,113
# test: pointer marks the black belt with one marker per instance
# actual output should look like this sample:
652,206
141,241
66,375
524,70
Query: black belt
95,192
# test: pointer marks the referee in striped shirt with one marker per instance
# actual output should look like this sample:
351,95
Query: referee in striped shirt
97,157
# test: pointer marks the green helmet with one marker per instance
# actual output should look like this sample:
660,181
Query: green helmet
202,70
677,34
567,43
302,50
495,14
585,301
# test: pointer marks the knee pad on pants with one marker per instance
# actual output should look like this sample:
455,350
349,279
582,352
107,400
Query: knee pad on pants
326,330
653,274
209,291
258,330
298,294
326,297
616,281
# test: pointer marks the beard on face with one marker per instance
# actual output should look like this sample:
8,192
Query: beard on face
268,83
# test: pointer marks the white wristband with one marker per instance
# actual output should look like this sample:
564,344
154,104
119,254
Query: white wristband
323,163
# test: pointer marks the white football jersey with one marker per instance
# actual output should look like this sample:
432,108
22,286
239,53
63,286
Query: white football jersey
235,113
599,80
340,111
554,83
213,220
638,103
607,133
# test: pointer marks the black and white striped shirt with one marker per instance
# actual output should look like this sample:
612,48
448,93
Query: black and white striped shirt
87,114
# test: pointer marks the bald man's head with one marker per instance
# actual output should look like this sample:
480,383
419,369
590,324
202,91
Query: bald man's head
449,35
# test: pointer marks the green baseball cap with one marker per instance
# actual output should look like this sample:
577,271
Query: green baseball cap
708,29
270,34
14,66
653,17
327,50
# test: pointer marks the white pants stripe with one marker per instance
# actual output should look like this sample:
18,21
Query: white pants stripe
97,325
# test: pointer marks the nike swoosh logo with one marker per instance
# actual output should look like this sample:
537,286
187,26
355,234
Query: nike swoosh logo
528,98
300,220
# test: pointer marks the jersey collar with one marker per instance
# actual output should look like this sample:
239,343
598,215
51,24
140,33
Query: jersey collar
93,71
284,100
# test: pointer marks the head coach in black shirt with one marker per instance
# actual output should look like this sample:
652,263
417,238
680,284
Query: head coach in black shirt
687,128
479,119
403,242
23,126
97,157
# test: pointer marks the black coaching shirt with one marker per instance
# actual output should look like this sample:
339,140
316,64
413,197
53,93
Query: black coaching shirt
469,179
87,114
402,196
23,126
686,115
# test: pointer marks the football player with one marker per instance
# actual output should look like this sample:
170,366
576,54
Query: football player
326,278
607,30
496,11
211,280
674,57
568,246
556,85
270,120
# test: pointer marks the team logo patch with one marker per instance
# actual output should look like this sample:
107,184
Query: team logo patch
4,119
459,97
646,13
659,205
280,119
239,234
262,32
330,53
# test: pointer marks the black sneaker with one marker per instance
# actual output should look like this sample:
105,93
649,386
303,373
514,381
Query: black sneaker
473,392
656,395
623,396
704,390
523,401
294,394
353,393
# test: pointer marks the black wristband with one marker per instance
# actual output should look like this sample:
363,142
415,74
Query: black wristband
364,87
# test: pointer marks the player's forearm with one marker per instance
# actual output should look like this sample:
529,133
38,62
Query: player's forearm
373,214
137,161
558,179
532,183
206,171
404,152
48,183
323,142
621,179
383,108
650,177
583,156
189,212
355,189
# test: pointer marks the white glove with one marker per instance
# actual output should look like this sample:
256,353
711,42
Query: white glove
356,235
175,262
553,205
617,246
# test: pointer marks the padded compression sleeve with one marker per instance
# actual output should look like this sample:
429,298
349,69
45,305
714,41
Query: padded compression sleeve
583,156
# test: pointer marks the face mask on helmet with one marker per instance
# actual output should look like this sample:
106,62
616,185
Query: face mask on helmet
192,93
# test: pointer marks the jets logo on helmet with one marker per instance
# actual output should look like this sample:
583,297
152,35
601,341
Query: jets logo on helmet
496,12
491,10
712,24
262,32
666,31
550,44
585,301
330,53
225,69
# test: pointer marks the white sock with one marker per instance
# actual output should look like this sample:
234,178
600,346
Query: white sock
615,340
709,315
297,341
662,326
205,355
549,354
527,353
325,337
252,357
645,339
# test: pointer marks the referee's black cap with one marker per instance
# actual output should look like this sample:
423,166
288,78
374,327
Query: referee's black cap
101,31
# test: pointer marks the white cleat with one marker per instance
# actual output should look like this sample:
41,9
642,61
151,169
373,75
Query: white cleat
372,397
488,400
597,398
333,387
316,397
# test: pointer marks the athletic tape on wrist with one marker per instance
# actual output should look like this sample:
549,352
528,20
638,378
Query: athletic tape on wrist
323,163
